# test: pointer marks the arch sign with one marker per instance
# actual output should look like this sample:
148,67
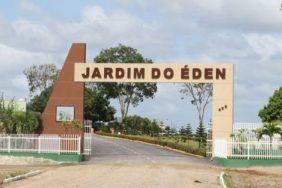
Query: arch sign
220,75
133,72
67,97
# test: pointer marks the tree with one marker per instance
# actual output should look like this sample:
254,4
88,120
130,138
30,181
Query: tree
126,93
97,106
188,130
173,131
185,132
240,136
182,131
167,130
6,115
272,112
39,102
26,122
201,134
136,125
201,94
17,122
156,128
40,77
269,129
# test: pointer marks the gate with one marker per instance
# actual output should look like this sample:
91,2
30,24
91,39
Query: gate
88,138
209,141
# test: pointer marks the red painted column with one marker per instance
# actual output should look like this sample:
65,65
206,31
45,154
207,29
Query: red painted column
66,92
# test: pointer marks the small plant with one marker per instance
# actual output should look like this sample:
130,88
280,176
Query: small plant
239,136
76,124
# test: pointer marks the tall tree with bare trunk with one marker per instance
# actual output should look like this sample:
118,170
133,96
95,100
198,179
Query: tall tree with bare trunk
200,95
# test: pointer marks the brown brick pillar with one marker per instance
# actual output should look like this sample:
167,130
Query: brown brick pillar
66,92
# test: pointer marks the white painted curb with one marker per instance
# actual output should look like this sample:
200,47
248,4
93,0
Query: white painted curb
222,180
16,178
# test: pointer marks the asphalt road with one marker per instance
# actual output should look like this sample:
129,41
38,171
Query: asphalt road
115,150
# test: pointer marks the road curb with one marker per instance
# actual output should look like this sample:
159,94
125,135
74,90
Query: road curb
164,147
23,176
221,178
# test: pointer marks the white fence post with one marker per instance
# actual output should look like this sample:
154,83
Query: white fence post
39,144
91,140
220,149
59,151
248,150
9,144
78,142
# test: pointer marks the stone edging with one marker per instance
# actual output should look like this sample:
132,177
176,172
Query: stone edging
221,178
23,176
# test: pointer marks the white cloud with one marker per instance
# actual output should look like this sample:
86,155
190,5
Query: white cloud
13,59
103,29
20,83
251,15
265,45
12,63
246,33
95,14
29,6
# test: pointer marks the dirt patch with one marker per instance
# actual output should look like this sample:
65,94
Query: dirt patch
256,177
7,171
12,171
147,175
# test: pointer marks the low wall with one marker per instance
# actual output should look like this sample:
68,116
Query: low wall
244,163
52,156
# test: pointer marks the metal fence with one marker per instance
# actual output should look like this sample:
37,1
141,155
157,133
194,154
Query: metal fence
245,144
246,132
59,144
88,144
256,150
88,138
246,126
209,142
249,149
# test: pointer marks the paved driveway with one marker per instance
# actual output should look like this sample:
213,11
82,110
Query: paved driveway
125,164
120,151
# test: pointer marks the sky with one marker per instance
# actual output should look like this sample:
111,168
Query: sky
245,33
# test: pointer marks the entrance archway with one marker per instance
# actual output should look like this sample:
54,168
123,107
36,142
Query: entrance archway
69,88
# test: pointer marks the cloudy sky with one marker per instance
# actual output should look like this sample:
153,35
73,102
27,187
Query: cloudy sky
247,33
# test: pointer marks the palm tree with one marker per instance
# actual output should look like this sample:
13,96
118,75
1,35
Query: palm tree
240,135
270,130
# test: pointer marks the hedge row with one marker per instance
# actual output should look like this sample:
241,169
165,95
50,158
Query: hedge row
161,142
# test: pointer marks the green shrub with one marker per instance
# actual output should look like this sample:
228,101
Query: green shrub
17,122
26,122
